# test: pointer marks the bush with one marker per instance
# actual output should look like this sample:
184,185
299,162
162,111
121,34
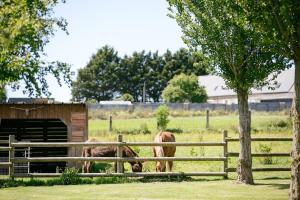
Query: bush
162,114
127,97
144,129
263,148
92,101
54,181
10,183
70,176
184,88
280,124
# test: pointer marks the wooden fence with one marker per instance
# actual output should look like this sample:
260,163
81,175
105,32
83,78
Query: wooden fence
13,144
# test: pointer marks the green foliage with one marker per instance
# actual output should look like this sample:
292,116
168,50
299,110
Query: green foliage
92,101
144,129
263,148
280,124
98,79
25,29
2,93
102,167
224,33
127,97
193,152
70,176
108,75
162,114
135,131
184,88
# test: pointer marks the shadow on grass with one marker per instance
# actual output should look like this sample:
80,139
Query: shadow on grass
279,186
273,178
150,179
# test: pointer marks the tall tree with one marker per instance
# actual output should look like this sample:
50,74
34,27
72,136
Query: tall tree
25,29
184,61
98,79
154,79
222,31
133,70
279,21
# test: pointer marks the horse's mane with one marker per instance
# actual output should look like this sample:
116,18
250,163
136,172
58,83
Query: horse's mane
133,154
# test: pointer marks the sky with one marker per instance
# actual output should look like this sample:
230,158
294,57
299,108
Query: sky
126,25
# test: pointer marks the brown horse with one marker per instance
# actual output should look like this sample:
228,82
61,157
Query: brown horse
108,151
164,151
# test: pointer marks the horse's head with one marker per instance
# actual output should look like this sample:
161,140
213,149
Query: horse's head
137,167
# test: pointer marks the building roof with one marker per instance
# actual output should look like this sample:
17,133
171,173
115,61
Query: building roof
215,85
30,100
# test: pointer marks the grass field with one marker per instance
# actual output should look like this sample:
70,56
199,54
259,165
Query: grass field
193,130
203,189
269,185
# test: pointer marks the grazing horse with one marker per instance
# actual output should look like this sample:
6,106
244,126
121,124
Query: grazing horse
108,151
164,151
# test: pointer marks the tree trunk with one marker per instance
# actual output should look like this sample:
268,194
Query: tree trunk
244,168
295,167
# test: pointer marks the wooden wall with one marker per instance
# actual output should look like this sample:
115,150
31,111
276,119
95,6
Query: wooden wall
74,116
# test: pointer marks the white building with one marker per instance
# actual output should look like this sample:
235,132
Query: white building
217,91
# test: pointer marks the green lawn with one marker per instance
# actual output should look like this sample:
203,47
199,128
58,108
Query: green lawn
261,122
194,130
269,185
208,189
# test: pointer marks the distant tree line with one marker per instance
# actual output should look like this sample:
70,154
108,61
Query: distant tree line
108,76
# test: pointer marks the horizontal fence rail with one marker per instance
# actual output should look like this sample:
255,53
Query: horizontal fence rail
81,144
235,154
264,169
119,159
136,174
115,159
262,139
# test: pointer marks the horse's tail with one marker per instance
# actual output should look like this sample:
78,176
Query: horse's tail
159,149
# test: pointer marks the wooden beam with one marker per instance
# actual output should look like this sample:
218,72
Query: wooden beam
114,159
262,139
140,174
235,154
80,144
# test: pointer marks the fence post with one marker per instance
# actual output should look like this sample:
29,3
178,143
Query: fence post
11,155
207,119
110,123
120,155
28,163
225,153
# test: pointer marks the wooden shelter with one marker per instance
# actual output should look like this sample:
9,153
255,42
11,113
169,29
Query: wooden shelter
44,122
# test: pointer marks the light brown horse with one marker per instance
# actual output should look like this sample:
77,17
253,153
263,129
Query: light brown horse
108,151
164,151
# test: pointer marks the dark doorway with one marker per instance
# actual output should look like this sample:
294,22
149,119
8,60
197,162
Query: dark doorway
36,130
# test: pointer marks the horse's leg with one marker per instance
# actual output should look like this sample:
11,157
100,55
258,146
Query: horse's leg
170,165
84,170
115,166
164,166
88,167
